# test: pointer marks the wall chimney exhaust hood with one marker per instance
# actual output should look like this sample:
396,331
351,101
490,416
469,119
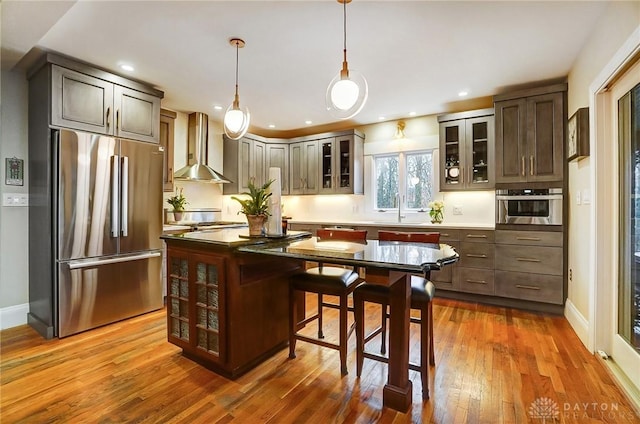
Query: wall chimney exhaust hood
197,168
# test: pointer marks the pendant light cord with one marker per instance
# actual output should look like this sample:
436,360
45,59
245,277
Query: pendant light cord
344,27
237,48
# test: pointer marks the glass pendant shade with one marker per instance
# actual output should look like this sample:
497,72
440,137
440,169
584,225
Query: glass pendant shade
236,122
346,96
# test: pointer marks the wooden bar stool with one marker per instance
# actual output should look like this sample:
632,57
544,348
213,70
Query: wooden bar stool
326,280
422,293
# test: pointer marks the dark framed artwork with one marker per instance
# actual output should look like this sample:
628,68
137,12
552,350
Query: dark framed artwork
578,135
14,171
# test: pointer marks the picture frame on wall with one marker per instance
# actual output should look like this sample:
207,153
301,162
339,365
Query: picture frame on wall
578,135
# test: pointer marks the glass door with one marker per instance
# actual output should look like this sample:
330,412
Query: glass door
626,324
452,160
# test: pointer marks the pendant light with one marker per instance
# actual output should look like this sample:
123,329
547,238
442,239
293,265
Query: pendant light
236,120
347,92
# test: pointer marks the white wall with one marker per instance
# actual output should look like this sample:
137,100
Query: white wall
14,221
616,25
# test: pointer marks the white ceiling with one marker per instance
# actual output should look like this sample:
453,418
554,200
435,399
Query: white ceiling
416,55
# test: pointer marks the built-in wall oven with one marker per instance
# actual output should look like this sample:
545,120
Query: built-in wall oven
529,206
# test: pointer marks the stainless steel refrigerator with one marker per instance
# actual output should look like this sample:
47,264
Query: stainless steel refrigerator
106,204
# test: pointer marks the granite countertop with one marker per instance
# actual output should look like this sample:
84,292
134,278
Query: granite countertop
231,237
372,223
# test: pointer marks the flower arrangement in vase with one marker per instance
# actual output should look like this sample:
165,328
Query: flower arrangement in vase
436,212
178,201
256,207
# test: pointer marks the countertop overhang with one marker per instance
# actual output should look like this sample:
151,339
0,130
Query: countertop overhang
232,237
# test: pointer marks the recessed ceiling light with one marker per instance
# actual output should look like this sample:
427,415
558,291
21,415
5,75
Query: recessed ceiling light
126,67
412,114
462,93
217,107
308,122
381,118
272,126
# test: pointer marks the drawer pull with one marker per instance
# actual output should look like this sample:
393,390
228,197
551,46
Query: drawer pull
528,260
473,255
477,281
444,235
476,236
528,238
520,286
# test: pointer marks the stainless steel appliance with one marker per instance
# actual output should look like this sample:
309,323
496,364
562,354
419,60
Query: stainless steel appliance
106,202
529,206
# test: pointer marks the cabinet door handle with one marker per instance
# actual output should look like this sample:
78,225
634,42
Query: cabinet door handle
484,236
523,171
475,255
520,286
170,175
528,260
528,238
117,119
108,117
477,281
531,165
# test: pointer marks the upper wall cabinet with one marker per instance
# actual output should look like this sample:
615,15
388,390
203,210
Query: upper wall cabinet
88,99
341,164
530,135
303,167
167,131
467,150
328,163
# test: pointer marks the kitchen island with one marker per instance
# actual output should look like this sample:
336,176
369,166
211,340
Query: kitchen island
226,309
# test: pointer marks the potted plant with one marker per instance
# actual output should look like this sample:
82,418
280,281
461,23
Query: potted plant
177,201
255,207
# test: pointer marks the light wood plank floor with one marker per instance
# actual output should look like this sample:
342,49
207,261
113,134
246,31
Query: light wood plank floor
493,365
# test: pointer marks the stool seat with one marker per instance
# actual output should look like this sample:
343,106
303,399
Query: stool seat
325,276
422,294
422,290
325,280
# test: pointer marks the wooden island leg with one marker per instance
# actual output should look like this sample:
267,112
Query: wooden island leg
398,392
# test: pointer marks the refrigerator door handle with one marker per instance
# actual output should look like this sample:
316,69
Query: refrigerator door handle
89,263
115,189
124,217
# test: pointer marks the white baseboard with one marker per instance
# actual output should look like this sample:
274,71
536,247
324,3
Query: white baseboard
578,322
13,316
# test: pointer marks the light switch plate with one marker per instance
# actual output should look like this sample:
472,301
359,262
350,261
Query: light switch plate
15,199
578,197
586,197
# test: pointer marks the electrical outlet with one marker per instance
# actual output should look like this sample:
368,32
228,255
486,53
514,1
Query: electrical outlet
570,274
15,199
586,197
457,210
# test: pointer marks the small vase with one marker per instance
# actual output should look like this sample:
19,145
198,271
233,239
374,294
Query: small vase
436,221
177,216
256,225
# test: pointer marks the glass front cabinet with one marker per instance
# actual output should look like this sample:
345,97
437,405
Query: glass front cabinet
341,167
467,150
196,290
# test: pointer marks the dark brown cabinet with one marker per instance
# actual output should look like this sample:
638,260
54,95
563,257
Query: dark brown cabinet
88,103
167,131
529,131
467,150
226,310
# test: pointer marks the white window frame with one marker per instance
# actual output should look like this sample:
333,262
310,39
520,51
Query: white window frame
402,180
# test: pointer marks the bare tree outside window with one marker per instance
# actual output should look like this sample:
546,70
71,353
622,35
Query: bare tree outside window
410,174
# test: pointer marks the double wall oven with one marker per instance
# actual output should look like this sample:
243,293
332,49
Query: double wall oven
529,206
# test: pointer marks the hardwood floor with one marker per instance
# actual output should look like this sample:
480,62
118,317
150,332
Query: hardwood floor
493,365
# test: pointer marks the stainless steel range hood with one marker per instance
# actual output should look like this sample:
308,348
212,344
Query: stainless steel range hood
197,168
